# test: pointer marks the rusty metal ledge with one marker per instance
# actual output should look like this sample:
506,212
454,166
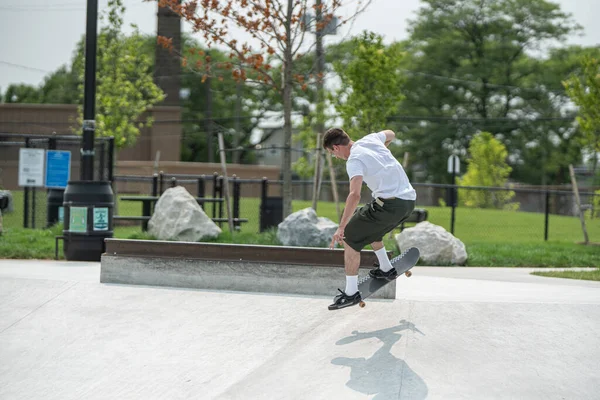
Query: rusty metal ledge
233,252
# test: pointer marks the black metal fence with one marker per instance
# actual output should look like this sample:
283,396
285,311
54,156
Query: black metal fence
534,213
31,203
471,213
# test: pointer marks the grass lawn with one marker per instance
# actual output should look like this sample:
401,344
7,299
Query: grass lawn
492,237
585,275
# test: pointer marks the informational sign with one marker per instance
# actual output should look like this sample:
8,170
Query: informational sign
58,169
78,219
61,215
453,164
101,219
31,167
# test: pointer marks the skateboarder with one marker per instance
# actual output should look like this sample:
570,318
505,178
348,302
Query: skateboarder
368,160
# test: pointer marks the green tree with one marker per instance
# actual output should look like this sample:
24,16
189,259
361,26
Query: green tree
487,166
22,93
238,106
469,69
370,78
125,88
61,87
546,144
278,27
584,91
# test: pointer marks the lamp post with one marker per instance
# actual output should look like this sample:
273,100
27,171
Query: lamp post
88,204
89,93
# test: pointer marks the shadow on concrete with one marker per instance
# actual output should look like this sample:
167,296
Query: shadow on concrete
383,374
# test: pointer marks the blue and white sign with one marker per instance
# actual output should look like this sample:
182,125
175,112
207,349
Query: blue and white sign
58,168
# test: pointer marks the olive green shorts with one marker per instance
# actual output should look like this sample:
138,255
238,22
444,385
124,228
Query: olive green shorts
372,221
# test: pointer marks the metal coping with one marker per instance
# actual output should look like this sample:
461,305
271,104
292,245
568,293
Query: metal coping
233,252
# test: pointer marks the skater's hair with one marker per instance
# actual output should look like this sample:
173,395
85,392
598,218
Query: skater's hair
335,136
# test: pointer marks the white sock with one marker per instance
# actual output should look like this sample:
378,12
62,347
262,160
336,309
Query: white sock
351,285
384,261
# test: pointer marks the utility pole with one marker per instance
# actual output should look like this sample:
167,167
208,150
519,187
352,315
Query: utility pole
320,63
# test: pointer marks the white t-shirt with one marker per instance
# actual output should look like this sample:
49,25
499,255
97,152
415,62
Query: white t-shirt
382,173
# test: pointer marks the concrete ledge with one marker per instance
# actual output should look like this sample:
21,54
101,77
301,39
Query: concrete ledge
248,268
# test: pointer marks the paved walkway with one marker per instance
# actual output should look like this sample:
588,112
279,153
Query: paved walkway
453,333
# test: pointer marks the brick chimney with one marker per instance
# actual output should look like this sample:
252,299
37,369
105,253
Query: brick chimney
167,71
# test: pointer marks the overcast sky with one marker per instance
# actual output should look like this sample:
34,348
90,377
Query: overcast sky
38,36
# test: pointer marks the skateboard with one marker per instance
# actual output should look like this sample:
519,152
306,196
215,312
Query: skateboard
403,263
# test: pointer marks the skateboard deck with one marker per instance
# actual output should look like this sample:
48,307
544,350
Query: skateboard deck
403,263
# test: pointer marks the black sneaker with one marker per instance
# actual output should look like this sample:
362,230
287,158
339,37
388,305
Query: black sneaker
342,300
377,273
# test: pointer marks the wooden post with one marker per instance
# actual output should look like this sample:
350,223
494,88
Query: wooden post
225,180
336,198
317,177
576,193
156,161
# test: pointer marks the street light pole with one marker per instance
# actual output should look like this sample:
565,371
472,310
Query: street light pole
89,94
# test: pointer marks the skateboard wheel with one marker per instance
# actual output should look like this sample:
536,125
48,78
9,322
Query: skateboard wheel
362,304
408,274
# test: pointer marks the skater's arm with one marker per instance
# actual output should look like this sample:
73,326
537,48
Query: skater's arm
389,136
351,203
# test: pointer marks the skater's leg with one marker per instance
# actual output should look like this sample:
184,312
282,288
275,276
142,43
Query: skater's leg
382,257
351,263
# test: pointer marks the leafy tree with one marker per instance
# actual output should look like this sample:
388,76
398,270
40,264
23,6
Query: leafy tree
277,26
487,166
22,93
469,71
584,90
370,79
544,147
61,87
369,74
125,87
237,107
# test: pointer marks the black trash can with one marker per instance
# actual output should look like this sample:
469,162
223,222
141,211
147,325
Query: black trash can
54,205
271,212
88,210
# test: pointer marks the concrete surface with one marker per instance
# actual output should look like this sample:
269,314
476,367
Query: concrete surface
230,275
452,333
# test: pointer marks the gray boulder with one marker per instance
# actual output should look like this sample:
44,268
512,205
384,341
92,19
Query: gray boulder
7,194
304,228
177,216
437,246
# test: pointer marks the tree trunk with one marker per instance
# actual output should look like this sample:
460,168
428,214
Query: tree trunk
286,168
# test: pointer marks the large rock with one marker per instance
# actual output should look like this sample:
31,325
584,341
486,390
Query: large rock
437,246
5,194
177,216
305,228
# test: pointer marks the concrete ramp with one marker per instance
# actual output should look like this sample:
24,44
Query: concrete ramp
454,333
247,268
